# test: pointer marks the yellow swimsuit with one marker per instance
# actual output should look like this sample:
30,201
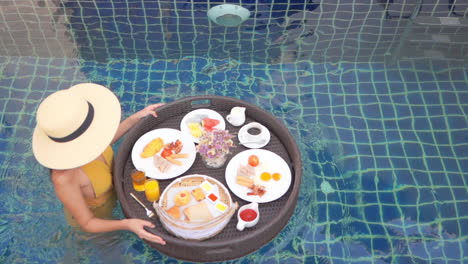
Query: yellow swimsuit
100,175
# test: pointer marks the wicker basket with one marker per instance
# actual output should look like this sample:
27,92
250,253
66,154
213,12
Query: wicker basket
195,230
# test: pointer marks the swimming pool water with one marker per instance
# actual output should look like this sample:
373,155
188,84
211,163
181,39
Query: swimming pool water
384,147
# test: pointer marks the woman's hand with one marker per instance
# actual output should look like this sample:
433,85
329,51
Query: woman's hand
136,226
149,110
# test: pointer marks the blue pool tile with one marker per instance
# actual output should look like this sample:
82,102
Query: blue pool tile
368,181
357,123
383,163
390,125
390,212
387,197
396,88
345,134
413,149
445,150
396,150
364,149
459,123
392,135
441,138
449,98
426,137
461,151
422,123
407,196
369,198
428,213
438,123
353,110
434,164
385,178
447,210
453,110
439,178
456,178
451,227
377,136
373,213
417,163
350,90
379,149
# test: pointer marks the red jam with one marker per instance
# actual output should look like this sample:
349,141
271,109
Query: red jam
248,215
213,197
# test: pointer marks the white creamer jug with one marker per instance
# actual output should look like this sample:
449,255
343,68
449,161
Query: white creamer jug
237,116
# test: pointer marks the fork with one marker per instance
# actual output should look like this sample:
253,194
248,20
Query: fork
149,213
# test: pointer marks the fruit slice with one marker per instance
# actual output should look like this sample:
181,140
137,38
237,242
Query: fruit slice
209,123
152,148
195,129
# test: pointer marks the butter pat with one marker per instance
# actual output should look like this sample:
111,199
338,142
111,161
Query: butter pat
221,207
206,186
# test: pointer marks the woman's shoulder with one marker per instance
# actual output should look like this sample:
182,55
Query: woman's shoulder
63,177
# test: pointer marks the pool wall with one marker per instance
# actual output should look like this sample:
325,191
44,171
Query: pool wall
278,31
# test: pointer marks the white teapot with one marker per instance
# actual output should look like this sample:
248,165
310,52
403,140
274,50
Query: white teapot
237,116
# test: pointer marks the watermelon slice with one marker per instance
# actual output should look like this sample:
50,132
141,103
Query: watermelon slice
209,123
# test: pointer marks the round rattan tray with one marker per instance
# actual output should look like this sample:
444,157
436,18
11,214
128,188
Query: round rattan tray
230,243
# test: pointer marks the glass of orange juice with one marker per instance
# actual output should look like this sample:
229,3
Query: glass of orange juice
138,180
152,190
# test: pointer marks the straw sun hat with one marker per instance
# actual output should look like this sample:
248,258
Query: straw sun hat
74,126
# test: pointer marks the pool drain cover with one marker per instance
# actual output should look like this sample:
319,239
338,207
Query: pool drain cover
228,15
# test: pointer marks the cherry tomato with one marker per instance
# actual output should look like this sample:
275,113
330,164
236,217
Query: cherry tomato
253,160
166,153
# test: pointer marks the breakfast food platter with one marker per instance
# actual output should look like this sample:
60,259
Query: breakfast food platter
195,207
196,198
200,243
270,173
149,153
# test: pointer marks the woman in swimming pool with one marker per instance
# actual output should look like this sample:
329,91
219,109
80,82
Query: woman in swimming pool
75,128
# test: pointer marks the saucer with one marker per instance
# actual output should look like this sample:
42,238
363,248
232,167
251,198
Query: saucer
262,141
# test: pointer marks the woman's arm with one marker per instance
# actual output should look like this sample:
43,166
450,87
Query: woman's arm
70,195
133,119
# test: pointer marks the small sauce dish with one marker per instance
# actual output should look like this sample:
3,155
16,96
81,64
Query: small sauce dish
247,216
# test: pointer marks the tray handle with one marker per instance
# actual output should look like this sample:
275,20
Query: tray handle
200,103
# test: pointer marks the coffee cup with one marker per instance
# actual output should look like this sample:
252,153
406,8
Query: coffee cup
254,132
247,216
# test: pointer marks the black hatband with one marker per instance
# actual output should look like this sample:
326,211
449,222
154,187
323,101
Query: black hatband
79,131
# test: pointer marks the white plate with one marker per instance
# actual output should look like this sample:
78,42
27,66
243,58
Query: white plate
168,135
196,116
269,162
